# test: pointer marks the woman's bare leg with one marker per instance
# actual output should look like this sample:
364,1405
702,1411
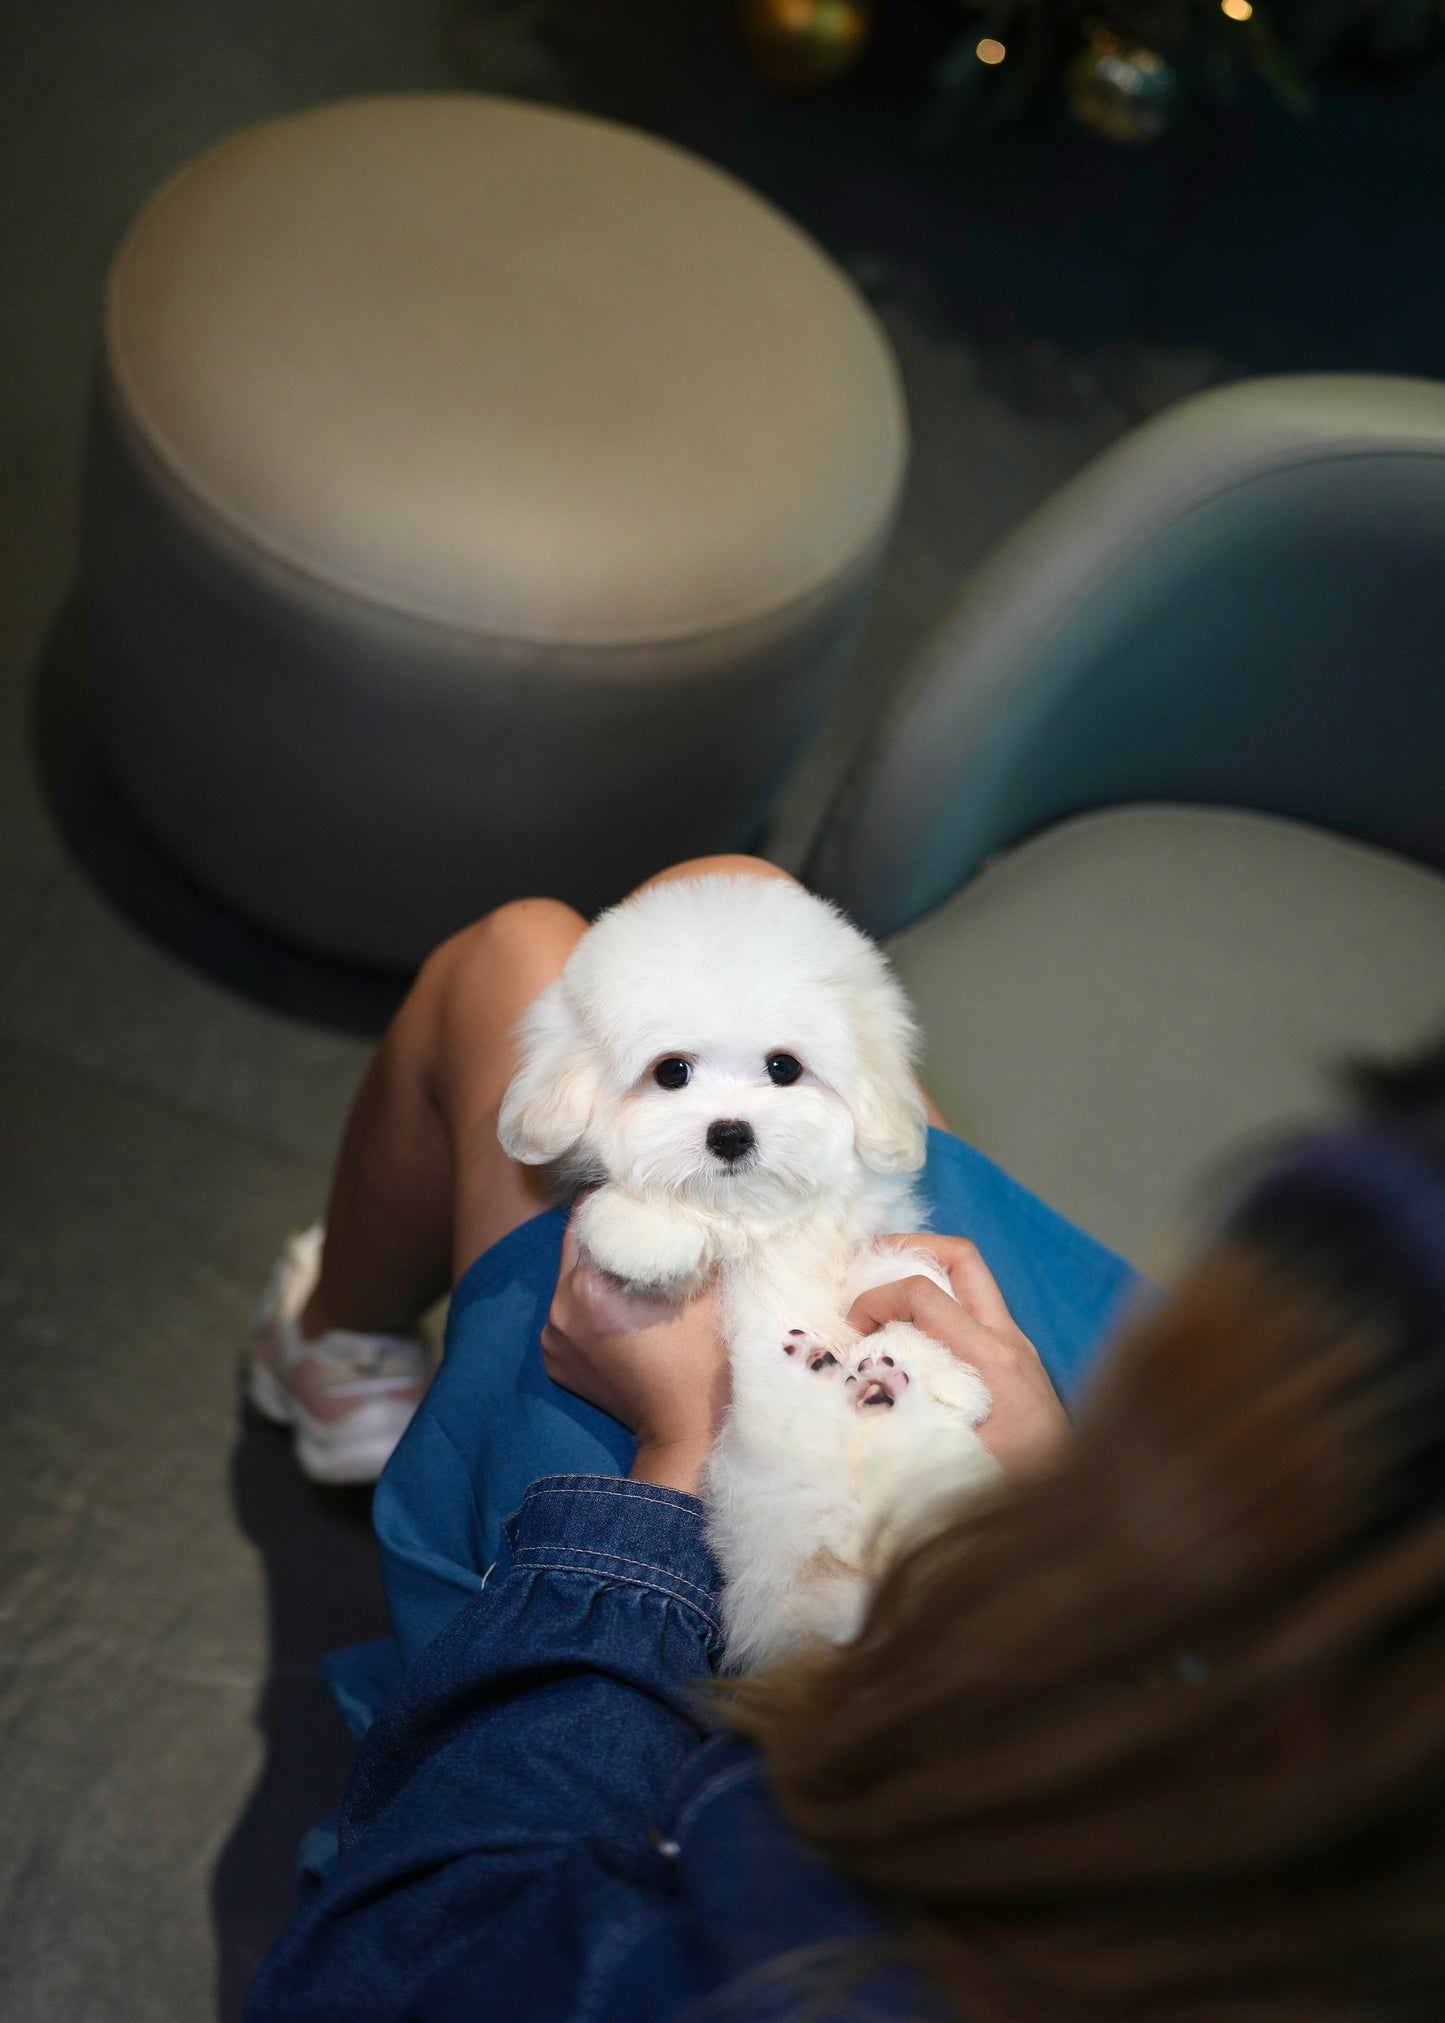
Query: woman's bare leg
422,1186
419,1161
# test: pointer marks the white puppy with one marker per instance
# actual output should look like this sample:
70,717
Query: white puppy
729,1061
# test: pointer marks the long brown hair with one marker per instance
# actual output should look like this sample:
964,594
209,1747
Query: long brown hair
1162,1735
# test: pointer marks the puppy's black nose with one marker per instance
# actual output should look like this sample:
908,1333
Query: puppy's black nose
730,1138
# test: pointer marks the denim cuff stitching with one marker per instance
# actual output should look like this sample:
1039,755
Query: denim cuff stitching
588,1556
608,1485
698,1599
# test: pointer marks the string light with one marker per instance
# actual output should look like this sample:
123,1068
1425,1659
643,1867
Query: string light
1237,10
990,50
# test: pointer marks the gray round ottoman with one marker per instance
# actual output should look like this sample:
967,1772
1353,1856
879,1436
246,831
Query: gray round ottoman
479,501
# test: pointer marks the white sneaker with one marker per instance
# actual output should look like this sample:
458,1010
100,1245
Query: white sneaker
348,1397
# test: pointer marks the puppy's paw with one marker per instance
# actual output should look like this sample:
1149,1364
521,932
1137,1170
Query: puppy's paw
643,1242
898,1365
811,1352
876,1383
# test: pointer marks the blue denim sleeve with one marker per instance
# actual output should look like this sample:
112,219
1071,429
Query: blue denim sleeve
524,1767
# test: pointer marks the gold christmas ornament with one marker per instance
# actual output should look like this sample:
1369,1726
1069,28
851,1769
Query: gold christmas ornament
1122,89
803,42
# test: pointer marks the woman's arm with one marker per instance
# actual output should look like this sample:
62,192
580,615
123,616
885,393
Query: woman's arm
501,1808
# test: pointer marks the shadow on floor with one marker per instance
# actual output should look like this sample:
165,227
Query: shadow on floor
150,889
323,1590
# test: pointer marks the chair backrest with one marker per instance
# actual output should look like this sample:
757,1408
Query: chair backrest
1241,603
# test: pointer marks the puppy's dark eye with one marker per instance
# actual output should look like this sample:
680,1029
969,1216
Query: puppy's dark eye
782,1069
673,1073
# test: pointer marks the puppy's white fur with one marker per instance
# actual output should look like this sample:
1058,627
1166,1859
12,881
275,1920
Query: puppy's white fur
808,1489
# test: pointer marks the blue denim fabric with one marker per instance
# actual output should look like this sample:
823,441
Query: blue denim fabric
494,1421
539,1825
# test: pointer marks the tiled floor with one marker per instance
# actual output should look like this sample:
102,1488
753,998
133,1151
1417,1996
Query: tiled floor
171,1086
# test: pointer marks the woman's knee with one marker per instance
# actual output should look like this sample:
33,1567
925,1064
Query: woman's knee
524,934
489,972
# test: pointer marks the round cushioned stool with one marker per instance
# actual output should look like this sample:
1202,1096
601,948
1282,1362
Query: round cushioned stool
480,500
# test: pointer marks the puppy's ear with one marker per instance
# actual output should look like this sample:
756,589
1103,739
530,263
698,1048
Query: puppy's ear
550,1099
889,1119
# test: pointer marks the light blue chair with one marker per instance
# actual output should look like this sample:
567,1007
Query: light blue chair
1103,828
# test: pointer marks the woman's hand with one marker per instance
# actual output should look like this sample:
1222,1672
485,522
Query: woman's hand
1027,1425
659,1368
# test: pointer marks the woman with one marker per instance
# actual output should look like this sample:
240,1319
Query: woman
424,1197
1158,1731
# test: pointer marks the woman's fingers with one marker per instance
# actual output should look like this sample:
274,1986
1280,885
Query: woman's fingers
974,1285
916,1299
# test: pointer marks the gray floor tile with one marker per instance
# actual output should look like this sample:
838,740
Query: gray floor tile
90,989
133,1610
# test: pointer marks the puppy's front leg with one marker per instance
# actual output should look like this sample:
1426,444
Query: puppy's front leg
647,1243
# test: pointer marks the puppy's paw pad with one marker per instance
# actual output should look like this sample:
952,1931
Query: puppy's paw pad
811,1352
876,1384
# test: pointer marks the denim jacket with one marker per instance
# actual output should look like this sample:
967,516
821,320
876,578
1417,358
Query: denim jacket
543,1824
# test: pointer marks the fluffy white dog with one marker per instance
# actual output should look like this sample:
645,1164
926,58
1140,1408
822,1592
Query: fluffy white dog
729,1061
